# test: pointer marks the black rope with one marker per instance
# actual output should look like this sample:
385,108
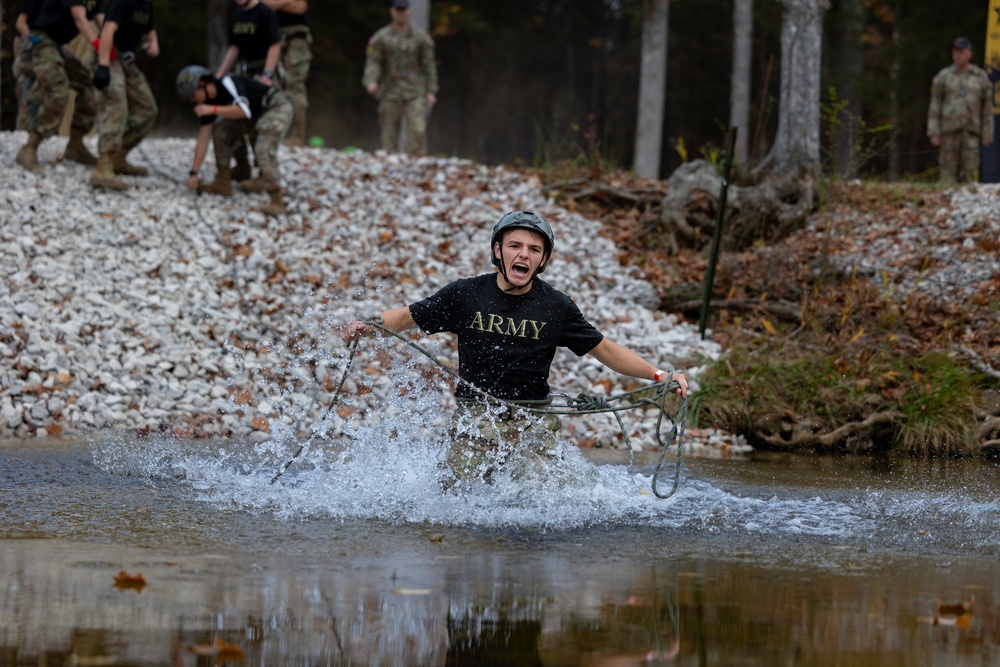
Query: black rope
652,396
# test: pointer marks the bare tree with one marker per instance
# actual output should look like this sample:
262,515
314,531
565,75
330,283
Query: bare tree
739,100
796,144
219,12
652,88
420,13
784,188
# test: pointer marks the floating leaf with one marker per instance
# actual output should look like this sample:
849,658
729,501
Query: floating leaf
126,581
219,650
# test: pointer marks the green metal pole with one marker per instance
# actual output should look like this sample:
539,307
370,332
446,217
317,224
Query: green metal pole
720,215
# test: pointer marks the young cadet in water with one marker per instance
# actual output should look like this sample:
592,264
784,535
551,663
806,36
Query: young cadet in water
509,324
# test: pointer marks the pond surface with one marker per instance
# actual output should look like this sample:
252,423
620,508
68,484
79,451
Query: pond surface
118,551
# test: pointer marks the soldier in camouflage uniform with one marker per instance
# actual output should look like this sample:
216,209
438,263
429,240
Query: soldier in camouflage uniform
53,73
127,107
401,73
254,51
296,59
960,118
228,108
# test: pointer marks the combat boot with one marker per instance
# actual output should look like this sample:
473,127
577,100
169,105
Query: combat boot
242,171
277,204
76,150
27,157
104,174
124,167
223,184
259,184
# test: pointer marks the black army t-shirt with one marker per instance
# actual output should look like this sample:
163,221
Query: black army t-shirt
506,343
54,18
134,19
254,31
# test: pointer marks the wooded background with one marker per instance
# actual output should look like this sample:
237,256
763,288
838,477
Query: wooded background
537,81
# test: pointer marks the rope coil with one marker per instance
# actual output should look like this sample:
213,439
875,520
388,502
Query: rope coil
654,395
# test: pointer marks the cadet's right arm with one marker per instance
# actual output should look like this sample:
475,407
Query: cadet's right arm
396,319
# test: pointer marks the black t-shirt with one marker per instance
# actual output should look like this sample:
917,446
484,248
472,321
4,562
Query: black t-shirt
506,343
252,93
254,31
31,8
55,19
134,19
288,19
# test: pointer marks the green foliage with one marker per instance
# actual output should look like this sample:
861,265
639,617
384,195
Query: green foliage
931,396
863,142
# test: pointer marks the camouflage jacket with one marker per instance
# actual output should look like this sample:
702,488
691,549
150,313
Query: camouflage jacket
402,64
961,101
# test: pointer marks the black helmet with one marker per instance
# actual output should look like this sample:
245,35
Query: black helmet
188,79
522,220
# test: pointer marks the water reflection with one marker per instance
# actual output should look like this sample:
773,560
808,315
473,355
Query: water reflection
770,561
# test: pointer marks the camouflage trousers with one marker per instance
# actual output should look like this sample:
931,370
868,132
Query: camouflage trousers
266,134
127,109
959,156
391,110
296,58
485,438
46,75
21,69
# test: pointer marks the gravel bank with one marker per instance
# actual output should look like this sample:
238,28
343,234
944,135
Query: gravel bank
158,311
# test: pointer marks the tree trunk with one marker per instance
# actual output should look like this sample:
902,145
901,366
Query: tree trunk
652,89
739,100
894,147
420,14
796,144
219,12
785,189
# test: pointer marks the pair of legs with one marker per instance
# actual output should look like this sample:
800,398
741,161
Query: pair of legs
266,134
127,112
46,76
296,59
392,109
485,439
959,156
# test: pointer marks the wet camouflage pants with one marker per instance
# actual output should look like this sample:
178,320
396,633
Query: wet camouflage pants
959,156
296,58
391,110
48,76
266,133
485,438
127,109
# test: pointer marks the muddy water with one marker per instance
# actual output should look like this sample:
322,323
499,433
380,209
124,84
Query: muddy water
356,557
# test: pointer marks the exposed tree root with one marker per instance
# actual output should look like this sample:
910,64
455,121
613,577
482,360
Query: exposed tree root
840,439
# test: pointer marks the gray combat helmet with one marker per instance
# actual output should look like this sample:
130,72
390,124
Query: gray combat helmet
523,220
188,79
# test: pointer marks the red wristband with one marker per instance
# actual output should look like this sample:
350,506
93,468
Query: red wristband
658,374
215,110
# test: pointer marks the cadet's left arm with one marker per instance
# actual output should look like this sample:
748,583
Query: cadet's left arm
625,361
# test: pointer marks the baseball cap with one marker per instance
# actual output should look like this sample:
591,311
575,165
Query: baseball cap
399,4
961,43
